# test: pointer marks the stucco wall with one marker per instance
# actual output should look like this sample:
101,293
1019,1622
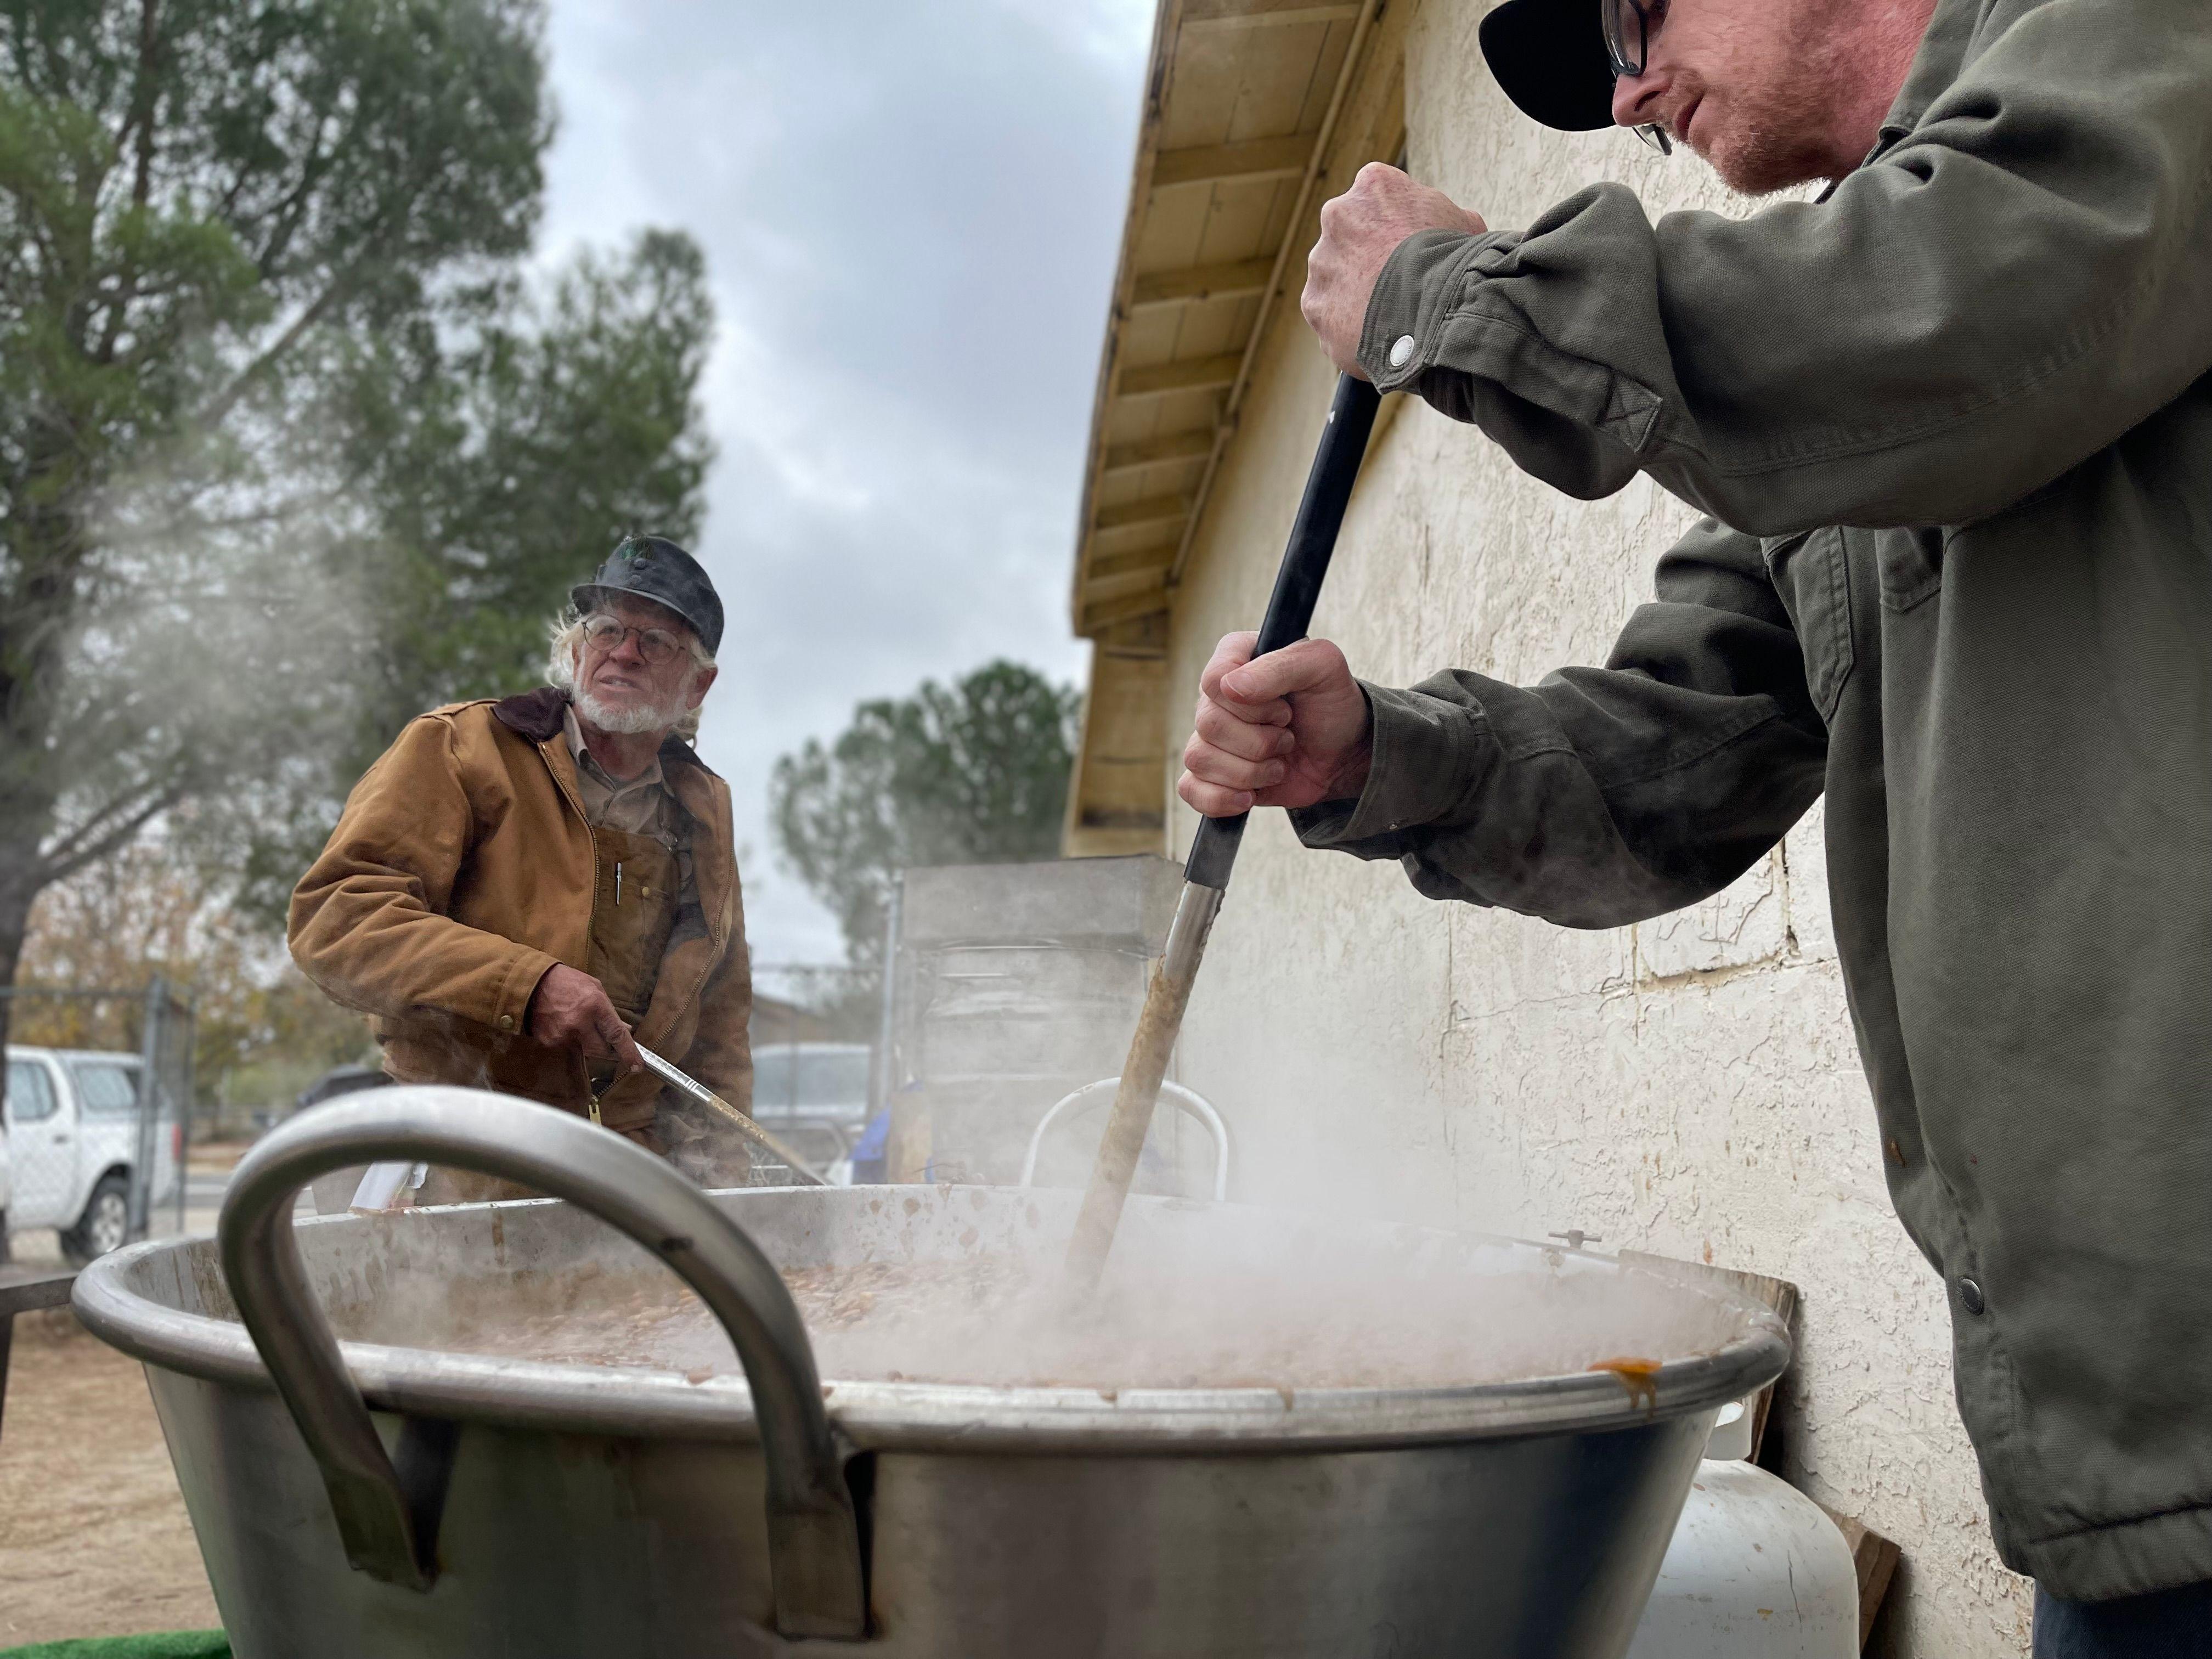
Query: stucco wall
1688,1086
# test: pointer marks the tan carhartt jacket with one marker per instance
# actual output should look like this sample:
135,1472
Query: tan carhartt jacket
462,869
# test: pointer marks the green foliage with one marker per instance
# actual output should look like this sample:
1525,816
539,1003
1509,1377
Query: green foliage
289,447
560,425
974,773
546,442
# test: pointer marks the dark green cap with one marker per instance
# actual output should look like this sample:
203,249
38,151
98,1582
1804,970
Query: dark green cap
654,568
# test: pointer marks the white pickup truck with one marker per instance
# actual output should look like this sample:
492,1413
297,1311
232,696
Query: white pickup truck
72,1122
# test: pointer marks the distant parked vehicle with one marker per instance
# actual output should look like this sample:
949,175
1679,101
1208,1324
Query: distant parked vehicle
72,1123
340,1080
814,1095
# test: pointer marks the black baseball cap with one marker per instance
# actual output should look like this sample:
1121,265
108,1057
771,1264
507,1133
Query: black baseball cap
654,568
1549,57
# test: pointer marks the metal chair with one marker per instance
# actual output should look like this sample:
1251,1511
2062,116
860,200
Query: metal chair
1189,1102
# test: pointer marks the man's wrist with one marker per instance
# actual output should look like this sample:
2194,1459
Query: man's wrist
1350,781
1418,285
1424,756
516,1010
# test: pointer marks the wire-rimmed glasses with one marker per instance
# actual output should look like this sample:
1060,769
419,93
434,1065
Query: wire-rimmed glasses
604,633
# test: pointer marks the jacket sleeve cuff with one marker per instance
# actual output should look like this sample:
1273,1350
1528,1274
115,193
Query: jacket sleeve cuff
1428,757
1422,283
510,1014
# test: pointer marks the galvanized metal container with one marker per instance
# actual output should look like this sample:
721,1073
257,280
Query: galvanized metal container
1013,984
493,1505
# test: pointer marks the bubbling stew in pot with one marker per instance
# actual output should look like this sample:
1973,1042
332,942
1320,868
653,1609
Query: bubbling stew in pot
1001,1320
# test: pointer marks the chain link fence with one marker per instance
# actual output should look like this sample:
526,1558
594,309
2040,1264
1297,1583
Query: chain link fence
99,1099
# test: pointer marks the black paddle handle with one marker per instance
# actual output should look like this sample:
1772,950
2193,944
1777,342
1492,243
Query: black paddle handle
1298,583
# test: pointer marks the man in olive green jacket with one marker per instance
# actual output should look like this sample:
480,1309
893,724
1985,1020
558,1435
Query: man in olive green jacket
1952,425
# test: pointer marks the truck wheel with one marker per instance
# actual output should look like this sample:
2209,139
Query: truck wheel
105,1225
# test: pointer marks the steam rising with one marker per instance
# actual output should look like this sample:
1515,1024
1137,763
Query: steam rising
966,1289
225,639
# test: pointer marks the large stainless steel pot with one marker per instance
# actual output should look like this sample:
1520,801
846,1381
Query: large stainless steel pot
494,1506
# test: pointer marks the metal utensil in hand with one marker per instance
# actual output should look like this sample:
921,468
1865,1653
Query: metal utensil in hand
736,1118
1290,610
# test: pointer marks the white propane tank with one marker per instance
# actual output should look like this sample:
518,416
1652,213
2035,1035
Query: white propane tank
1756,1569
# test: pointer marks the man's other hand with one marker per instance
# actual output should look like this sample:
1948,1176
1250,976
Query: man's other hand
1359,231
1287,730
569,1010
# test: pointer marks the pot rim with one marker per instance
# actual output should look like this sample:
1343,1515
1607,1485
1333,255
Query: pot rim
906,1416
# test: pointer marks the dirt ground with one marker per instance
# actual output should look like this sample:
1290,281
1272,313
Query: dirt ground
94,1540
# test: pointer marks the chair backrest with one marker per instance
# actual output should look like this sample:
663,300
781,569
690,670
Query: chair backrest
1189,1102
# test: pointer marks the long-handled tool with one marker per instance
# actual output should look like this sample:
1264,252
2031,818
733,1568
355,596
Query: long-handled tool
1213,854
736,1118
382,1184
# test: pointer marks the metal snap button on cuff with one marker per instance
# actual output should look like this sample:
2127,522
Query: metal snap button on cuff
1401,351
1970,1296
507,1021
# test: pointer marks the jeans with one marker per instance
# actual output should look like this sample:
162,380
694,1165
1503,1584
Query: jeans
2175,1624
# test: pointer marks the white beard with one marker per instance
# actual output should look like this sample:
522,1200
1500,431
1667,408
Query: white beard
647,717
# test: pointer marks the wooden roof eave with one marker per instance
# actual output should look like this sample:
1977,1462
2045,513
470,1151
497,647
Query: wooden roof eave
1104,590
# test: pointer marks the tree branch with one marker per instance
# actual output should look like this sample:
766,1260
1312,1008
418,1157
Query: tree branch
286,217
139,133
124,803
146,100
53,867
218,407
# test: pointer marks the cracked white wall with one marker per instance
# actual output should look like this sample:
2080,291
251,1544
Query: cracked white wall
1689,1086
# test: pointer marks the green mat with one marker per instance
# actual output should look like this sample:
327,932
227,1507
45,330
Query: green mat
177,1644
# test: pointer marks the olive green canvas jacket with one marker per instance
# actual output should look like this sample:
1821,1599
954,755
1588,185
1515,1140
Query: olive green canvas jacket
1953,426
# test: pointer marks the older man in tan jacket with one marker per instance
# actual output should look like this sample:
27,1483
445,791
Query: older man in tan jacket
517,887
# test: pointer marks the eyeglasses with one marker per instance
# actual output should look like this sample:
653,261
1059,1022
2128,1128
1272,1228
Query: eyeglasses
1629,25
655,645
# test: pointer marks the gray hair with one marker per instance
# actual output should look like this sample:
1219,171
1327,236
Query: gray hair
567,649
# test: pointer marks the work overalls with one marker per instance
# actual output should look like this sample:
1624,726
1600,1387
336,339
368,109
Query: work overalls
633,902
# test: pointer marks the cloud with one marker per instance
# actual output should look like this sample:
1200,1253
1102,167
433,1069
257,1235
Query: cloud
910,214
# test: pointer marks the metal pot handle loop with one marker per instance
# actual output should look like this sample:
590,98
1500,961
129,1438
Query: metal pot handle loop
814,1541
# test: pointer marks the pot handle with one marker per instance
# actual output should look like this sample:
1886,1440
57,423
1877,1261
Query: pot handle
390,1532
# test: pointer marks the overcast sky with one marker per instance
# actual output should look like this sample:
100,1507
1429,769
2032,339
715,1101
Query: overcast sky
910,213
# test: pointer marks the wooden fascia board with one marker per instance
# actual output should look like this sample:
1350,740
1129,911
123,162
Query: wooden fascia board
1356,85
1159,75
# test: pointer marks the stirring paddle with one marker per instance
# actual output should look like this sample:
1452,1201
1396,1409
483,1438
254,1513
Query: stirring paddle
1214,853
730,1115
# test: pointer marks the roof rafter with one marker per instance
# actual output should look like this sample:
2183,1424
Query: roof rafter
1253,160
1211,14
1231,279
1193,374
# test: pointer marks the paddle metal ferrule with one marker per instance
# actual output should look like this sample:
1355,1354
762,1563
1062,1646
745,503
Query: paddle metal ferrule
1214,851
